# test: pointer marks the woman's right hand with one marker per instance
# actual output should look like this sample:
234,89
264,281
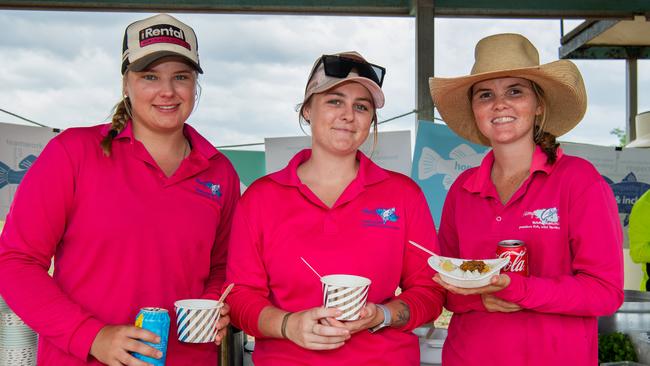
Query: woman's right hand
114,342
494,304
306,329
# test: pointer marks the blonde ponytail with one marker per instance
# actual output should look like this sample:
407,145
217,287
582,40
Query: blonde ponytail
121,115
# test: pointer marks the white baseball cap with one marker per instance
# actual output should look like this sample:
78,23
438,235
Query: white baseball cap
150,39
319,80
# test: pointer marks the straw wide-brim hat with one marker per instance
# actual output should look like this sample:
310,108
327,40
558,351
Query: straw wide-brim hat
512,55
642,131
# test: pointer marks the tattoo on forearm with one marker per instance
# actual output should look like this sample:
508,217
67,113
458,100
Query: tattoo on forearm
403,314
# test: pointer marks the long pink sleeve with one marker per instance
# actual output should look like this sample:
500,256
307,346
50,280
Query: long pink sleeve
219,254
595,238
448,247
34,227
425,301
246,270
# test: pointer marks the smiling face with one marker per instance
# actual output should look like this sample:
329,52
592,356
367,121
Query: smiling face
505,109
162,96
340,118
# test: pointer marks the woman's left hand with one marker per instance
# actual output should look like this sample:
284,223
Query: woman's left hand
497,283
222,324
370,316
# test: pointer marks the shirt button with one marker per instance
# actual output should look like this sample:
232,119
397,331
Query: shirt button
499,218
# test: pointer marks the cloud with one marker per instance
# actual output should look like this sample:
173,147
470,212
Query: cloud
62,68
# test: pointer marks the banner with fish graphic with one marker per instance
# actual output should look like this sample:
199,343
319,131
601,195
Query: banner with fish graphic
627,171
438,159
19,147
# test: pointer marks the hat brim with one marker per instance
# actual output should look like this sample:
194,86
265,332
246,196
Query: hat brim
142,63
561,82
641,141
374,89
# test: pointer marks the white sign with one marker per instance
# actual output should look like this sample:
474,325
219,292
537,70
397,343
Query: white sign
19,148
393,150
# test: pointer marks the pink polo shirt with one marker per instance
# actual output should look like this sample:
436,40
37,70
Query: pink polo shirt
567,216
279,220
123,235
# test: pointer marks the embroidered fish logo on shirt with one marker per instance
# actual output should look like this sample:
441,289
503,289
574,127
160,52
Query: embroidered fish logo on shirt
627,192
215,189
462,157
10,176
545,215
387,214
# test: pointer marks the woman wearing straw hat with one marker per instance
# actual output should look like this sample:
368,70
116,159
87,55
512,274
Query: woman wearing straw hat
527,189
136,213
343,214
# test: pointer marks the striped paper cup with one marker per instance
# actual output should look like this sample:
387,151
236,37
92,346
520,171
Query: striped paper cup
197,320
347,293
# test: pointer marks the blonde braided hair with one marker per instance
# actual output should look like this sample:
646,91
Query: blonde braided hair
121,114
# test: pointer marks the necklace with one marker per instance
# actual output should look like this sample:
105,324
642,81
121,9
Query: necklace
185,152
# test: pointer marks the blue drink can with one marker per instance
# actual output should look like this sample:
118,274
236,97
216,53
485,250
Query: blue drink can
155,320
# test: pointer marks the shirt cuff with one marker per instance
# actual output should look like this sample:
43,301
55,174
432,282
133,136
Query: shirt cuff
415,318
83,338
516,290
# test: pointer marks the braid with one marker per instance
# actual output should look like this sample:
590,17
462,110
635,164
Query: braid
547,142
120,116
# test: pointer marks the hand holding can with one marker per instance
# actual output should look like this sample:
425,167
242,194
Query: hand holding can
155,320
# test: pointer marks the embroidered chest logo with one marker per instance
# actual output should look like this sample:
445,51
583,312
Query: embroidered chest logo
382,217
213,189
543,218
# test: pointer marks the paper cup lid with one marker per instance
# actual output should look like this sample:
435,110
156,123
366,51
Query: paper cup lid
345,280
198,304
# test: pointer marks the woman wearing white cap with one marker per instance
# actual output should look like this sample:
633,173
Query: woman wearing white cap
527,189
136,213
343,214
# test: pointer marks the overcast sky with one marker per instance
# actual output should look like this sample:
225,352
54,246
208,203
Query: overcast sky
62,69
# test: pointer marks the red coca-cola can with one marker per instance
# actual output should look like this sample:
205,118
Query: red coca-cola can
517,252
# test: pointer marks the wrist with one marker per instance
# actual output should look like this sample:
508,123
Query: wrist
283,327
387,318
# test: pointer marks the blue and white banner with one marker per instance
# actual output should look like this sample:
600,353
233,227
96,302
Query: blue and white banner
627,171
19,147
439,158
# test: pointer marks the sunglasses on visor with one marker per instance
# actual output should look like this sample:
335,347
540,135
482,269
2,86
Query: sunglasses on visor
340,67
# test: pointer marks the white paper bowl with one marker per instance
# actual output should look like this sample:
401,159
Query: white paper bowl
465,279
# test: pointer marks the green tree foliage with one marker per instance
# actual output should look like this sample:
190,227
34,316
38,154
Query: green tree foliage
622,138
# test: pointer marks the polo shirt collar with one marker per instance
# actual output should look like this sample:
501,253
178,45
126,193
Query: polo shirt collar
197,161
480,181
198,142
369,172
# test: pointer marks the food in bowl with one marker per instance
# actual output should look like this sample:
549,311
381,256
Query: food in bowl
466,273
479,266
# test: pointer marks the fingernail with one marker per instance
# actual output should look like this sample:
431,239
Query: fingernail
158,354
157,340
